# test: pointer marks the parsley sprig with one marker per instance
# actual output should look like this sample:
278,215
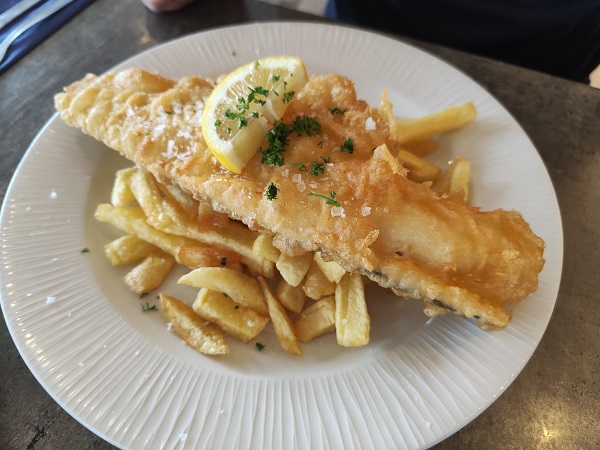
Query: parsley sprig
317,168
277,138
347,146
146,307
301,167
243,106
288,96
271,192
329,200
337,111
306,125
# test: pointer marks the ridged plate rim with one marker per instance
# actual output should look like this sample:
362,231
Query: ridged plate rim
95,362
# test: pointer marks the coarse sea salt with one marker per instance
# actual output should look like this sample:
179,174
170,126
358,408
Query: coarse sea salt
338,211
184,134
177,108
370,124
365,211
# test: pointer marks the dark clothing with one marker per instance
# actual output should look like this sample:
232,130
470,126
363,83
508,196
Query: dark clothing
557,37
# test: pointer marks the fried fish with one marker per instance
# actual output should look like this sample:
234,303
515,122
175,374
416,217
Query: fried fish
341,190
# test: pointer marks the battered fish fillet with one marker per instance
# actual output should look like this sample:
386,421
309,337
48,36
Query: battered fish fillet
436,248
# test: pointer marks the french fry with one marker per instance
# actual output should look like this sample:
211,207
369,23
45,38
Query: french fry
316,320
425,127
293,268
150,273
208,217
175,195
263,246
121,194
352,321
202,256
240,322
315,284
284,329
421,148
292,297
132,220
231,235
150,199
168,217
239,286
455,177
419,170
127,250
332,270
199,334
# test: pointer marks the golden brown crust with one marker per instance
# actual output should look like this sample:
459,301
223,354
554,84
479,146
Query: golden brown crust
424,245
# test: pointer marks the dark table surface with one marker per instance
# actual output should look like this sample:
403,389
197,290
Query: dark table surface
553,404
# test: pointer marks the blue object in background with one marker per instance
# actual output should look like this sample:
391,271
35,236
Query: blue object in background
39,32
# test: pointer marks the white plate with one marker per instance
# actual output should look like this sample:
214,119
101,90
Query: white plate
123,375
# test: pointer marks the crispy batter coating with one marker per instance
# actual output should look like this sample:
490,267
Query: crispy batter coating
422,245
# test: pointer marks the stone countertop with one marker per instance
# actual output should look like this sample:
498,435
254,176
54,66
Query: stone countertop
555,401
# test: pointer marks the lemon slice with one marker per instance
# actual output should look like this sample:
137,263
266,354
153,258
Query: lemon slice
245,104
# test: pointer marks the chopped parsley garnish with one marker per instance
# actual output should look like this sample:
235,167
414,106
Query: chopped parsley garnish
85,250
301,167
347,146
277,138
259,90
326,159
147,307
229,114
306,125
243,105
317,168
337,110
288,96
223,261
275,78
143,294
256,64
236,307
329,200
320,144
233,53
271,192
260,346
